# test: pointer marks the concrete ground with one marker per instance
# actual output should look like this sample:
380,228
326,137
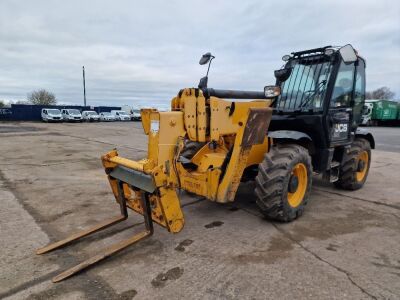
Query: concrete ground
345,246
386,138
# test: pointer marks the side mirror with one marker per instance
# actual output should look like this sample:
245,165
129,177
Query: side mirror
348,54
283,74
205,58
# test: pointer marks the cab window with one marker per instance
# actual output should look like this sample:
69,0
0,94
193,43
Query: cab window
359,92
343,89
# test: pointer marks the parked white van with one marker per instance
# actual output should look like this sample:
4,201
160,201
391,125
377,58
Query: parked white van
106,116
136,116
71,115
51,115
133,113
121,115
90,115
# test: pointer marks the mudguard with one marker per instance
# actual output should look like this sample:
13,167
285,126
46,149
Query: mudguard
289,134
364,133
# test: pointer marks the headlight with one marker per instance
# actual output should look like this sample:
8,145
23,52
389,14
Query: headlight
272,91
329,51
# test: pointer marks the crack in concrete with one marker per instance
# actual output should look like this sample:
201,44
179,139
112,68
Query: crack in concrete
348,275
384,165
64,162
394,215
288,236
98,289
66,257
359,199
194,202
102,142
74,136
28,284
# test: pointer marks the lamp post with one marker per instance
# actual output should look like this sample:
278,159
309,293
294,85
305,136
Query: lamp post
84,87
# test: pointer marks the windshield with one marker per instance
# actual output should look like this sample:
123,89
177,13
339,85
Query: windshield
305,88
91,113
53,111
74,111
122,113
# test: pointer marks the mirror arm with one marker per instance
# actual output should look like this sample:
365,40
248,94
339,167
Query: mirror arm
209,64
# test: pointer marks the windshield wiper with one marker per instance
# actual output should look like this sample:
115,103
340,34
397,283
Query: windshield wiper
316,91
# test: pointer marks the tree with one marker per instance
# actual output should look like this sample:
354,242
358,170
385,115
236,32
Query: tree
2,104
25,102
42,97
381,93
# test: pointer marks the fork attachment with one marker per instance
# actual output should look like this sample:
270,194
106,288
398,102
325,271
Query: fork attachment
121,198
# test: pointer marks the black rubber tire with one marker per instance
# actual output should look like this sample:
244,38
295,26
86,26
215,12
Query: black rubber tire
191,148
348,169
273,179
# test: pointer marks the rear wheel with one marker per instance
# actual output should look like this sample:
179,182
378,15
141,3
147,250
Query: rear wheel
283,182
191,148
355,166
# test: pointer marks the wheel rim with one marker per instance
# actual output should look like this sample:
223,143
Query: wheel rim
295,198
361,172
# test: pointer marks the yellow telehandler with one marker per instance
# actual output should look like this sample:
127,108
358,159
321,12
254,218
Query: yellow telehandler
207,144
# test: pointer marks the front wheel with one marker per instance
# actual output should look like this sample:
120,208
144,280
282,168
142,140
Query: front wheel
355,166
284,181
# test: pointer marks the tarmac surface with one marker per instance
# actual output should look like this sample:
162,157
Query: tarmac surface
345,246
386,138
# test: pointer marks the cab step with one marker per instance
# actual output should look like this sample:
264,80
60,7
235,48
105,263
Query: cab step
332,175
334,164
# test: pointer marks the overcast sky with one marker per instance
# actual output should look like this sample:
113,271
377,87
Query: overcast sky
141,52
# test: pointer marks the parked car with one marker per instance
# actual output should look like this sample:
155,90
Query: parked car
71,115
121,115
135,115
51,115
90,116
106,116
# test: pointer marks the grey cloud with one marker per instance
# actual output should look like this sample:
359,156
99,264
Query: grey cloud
144,52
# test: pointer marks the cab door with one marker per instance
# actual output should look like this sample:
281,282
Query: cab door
359,94
340,112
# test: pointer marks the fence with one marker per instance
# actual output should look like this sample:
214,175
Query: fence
5,114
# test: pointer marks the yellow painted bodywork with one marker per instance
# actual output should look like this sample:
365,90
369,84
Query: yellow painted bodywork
215,170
